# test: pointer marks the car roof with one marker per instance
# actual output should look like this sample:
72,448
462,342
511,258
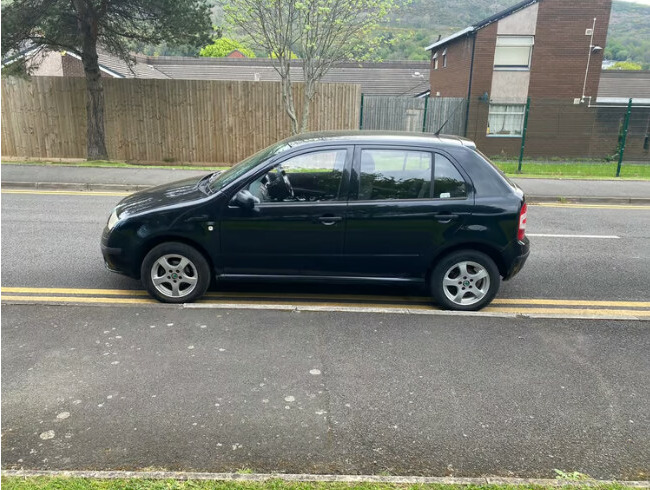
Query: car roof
383,137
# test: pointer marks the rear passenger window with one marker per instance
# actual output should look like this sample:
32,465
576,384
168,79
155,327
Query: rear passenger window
448,183
395,174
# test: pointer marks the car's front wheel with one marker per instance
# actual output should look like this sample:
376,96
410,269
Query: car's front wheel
466,280
174,272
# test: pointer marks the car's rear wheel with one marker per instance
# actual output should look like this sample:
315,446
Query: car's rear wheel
465,280
175,273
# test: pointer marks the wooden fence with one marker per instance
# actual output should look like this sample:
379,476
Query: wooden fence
198,121
401,113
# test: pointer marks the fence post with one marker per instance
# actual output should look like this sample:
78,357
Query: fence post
361,113
424,118
523,135
624,137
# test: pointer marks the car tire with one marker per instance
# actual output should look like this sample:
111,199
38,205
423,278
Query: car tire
174,272
466,280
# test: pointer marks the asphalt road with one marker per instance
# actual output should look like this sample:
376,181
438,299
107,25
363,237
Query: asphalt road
132,387
53,241
215,390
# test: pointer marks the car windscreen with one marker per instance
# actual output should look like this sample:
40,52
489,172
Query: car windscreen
222,179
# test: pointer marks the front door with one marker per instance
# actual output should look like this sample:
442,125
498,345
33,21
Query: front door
405,202
297,224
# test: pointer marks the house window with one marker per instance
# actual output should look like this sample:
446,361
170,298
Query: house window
435,60
444,59
513,52
506,119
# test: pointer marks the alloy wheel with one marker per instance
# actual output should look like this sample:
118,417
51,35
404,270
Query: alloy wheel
466,283
174,275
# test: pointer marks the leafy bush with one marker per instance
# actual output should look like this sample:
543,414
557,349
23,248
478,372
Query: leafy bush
223,46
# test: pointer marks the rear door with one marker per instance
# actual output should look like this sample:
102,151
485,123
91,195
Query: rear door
299,234
405,202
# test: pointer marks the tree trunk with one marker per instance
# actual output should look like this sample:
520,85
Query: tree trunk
95,112
287,94
289,106
308,96
95,141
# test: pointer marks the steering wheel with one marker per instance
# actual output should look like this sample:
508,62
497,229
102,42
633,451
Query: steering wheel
287,184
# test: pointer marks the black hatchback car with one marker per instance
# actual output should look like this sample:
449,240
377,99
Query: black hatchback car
353,207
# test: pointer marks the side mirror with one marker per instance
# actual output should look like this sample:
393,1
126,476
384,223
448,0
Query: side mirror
245,200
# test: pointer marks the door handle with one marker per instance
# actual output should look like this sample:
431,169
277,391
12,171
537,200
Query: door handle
445,217
330,220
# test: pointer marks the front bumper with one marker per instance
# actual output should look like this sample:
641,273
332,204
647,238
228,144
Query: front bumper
112,257
116,259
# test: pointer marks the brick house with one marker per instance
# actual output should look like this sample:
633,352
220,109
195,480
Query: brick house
548,50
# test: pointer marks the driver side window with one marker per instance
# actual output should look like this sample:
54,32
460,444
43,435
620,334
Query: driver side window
310,177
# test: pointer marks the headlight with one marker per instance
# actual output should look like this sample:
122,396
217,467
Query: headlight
112,220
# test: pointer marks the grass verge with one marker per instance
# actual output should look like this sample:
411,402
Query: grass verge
569,170
48,483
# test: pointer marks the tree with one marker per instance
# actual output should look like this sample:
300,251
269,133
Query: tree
223,46
80,26
625,65
320,32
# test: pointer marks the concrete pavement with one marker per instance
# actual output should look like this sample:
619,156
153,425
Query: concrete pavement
131,179
130,387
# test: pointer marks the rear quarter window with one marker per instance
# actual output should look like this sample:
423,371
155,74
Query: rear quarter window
487,179
448,182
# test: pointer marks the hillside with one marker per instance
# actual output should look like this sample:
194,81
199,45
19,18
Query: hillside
629,33
419,22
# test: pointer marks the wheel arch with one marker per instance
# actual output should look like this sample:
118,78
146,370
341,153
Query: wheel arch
488,250
155,241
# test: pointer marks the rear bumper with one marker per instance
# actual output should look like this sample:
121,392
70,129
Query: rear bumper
517,258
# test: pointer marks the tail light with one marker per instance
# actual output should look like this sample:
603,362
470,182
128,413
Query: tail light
523,215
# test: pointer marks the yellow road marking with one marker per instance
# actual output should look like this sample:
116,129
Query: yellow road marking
109,292
330,297
78,299
566,311
521,311
570,302
215,295
68,193
84,299
588,206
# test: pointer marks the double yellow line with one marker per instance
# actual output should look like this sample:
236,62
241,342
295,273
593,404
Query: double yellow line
66,193
523,306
